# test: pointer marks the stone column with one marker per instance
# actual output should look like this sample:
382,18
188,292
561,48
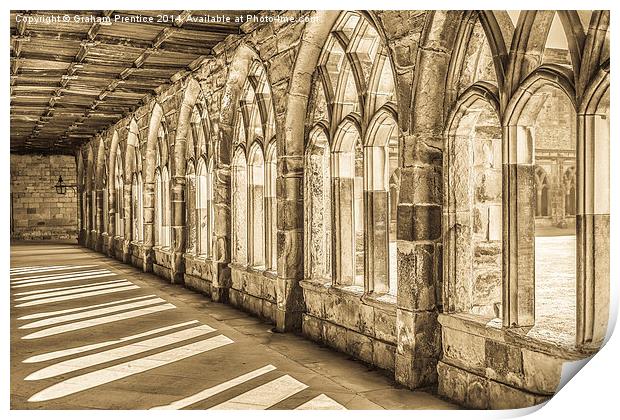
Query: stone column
593,196
221,254
127,204
457,227
177,207
100,222
80,201
89,220
343,244
148,211
271,221
519,189
289,295
111,219
419,266
376,209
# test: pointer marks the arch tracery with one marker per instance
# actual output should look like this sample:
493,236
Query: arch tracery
353,119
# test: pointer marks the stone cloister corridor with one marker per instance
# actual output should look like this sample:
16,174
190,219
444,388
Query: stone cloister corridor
307,209
138,342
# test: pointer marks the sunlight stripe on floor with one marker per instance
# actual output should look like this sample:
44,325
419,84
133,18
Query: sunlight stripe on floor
54,276
83,362
34,283
81,308
28,267
90,314
36,267
78,286
209,392
76,296
123,370
81,349
321,402
97,321
75,289
58,268
264,396
21,269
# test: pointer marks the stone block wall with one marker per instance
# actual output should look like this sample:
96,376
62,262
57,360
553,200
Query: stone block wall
254,291
486,367
346,320
37,211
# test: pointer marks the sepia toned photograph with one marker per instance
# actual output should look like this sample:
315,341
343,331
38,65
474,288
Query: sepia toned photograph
306,209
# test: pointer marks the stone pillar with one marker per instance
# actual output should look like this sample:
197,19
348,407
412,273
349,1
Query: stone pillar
148,211
344,227
221,281
111,220
82,222
457,226
518,209
177,202
418,344
90,232
271,219
254,196
289,295
593,196
127,204
376,209
100,220
344,218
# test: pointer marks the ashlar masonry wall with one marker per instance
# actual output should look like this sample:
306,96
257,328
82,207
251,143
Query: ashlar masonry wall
37,211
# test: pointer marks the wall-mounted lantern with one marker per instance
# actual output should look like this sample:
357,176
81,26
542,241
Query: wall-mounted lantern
61,187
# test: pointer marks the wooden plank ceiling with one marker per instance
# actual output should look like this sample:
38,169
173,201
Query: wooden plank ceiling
72,80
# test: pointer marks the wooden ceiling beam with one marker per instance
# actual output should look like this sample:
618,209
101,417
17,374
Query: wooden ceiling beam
85,46
17,47
60,99
196,48
138,63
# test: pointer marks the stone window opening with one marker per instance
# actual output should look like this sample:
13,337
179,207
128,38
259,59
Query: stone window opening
137,208
542,192
256,206
570,200
255,175
205,209
547,254
162,193
239,208
106,202
89,192
381,191
347,184
119,189
190,207
318,211
473,210
354,87
199,184
80,191
137,200
271,208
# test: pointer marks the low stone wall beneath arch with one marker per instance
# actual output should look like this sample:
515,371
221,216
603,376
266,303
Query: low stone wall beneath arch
486,367
254,291
348,321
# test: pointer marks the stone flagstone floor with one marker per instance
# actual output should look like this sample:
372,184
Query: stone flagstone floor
90,332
